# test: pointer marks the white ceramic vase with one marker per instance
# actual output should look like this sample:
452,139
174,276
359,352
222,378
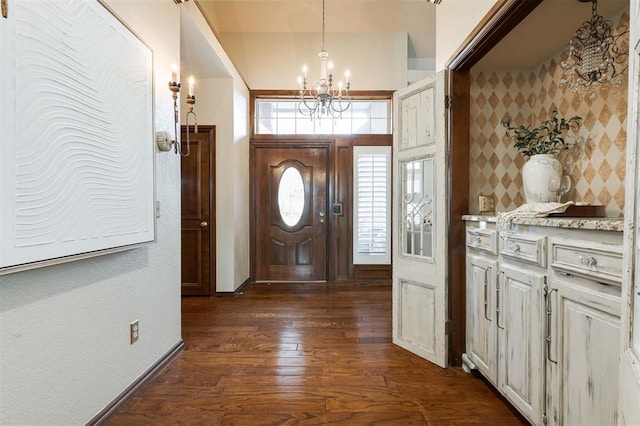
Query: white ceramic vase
536,174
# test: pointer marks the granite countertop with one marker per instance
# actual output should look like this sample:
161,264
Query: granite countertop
615,224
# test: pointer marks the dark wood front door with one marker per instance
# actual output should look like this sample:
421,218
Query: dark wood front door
198,213
290,196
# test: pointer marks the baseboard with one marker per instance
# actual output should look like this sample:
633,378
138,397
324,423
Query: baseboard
237,292
126,394
372,272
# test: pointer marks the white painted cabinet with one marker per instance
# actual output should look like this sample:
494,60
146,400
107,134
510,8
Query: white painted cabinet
582,353
482,333
504,316
519,322
543,320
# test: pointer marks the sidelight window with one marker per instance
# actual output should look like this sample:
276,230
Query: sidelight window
372,205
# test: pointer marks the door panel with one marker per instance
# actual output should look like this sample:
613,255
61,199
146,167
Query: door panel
197,213
419,220
290,213
630,358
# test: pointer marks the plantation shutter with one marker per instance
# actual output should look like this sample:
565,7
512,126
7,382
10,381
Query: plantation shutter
372,205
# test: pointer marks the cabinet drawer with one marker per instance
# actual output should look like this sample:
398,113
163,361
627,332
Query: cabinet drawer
599,262
483,239
527,248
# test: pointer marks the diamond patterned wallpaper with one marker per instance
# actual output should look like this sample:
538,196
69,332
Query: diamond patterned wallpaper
596,165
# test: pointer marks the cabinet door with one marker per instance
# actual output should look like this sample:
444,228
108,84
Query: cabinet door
482,345
519,314
583,352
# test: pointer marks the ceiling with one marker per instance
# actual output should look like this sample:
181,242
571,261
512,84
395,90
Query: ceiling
545,32
416,17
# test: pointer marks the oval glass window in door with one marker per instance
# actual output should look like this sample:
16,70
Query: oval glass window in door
291,196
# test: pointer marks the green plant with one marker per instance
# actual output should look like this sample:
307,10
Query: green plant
547,138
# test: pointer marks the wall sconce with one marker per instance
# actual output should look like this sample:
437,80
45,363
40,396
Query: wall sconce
596,54
162,138
191,101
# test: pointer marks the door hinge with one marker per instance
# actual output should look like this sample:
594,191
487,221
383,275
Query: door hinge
448,102
448,327
5,12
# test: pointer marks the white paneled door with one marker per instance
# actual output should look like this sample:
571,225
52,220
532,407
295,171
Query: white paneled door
629,413
420,220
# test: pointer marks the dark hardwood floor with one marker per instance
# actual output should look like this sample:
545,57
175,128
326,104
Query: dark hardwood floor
305,354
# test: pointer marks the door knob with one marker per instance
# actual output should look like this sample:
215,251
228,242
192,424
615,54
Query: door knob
321,221
204,224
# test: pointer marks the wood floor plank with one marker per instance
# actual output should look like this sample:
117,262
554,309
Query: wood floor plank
305,354
299,380
169,418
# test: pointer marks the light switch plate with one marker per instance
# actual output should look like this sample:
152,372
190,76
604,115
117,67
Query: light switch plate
486,203
134,331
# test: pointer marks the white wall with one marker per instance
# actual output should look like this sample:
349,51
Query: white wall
455,19
224,102
64,330
241,179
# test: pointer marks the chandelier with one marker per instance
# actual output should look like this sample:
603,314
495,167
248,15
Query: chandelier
322,99
596,54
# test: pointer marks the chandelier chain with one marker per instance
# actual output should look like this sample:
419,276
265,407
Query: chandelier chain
323,27
322,98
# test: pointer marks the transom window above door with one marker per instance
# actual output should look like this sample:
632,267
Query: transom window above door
282,117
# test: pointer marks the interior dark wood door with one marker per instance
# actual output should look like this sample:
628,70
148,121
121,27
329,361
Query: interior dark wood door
290,224
198,230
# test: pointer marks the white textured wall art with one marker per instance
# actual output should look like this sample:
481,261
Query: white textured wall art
77,153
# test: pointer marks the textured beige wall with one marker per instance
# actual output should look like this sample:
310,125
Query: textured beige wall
596,165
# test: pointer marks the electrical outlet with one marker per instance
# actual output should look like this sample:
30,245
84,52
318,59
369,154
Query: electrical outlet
134,331
486,203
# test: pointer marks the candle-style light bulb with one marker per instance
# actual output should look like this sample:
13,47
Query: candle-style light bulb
300,82
346,74
174,73
304,71
191,81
